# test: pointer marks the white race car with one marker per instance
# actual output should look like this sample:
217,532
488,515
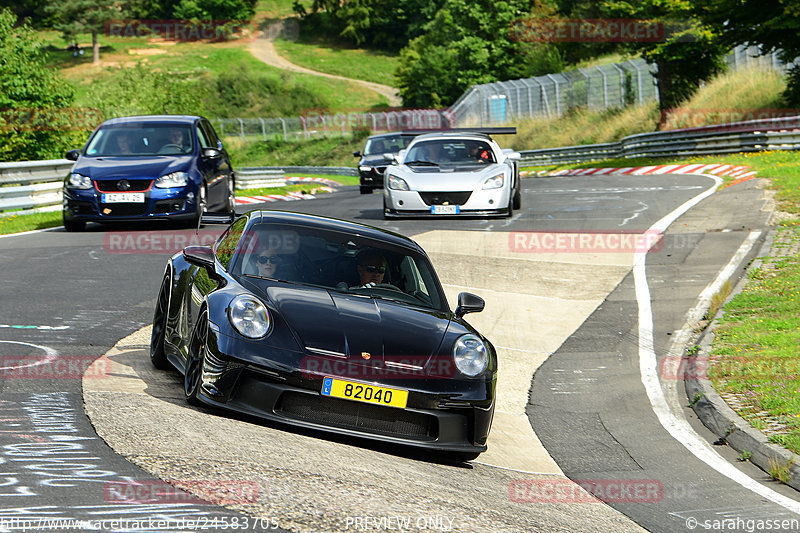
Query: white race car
457,172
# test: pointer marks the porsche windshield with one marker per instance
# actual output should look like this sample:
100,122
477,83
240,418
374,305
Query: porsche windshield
338,261
450,153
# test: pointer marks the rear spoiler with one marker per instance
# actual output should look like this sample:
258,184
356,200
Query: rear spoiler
511,130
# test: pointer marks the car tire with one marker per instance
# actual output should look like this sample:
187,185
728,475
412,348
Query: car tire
202,204
365,189
230,204
192,378
517,203
158,356
73,225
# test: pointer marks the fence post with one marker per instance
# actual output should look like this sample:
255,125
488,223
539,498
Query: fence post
241,128
283,124
605,87
588,89
558,95
638,80
622,92
263,129
221,128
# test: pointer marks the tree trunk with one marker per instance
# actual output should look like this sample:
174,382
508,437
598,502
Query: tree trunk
95,48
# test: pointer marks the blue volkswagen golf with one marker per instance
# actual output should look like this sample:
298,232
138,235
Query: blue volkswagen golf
167,167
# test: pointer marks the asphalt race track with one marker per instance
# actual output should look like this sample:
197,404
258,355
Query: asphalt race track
564,301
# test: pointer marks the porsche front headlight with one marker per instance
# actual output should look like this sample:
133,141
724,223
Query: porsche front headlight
495,182
398,184
470,354
174,180
79,181
249,316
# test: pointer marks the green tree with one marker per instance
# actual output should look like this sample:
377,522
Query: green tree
772,25
468,43
72,17
690,53
33,99
215,9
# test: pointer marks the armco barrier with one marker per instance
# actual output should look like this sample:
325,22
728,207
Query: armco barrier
749,136
35,186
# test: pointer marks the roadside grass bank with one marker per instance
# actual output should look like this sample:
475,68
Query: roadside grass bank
754,362
324,151
335,57
20,223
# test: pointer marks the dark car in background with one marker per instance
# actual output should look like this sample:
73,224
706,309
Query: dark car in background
165,167
373,161
277,320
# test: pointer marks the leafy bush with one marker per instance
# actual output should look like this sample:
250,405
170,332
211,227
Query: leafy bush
33,99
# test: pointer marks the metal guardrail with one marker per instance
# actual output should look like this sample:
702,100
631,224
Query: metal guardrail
750,136
36,185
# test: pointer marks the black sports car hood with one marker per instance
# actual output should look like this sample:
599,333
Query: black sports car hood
125,167
359,328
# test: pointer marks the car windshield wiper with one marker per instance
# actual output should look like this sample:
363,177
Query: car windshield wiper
423,163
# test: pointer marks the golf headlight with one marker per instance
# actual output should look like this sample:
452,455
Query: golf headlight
176,179
470,355
363,168
249,316
79,181
398,184
495,182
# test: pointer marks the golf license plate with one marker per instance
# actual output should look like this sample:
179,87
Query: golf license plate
360,392
122,198
445,210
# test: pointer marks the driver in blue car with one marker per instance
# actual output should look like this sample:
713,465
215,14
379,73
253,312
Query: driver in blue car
371,266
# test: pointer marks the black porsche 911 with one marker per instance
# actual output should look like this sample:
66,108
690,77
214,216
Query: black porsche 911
327,324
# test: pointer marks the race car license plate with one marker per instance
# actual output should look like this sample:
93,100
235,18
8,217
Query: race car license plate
122,198
360,392
445,210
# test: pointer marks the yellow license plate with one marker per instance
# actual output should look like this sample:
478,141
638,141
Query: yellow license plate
360,392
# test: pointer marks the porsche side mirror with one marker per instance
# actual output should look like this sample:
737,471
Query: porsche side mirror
211,153
72,155
469,303
202,256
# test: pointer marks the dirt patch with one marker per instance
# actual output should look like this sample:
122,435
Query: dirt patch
146,51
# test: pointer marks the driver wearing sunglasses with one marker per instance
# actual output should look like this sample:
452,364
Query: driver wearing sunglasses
371,268
267,262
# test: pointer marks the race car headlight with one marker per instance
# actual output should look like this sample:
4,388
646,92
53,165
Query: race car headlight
470,355
398,184
495,182
79,181
363,168
249,316
176,179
